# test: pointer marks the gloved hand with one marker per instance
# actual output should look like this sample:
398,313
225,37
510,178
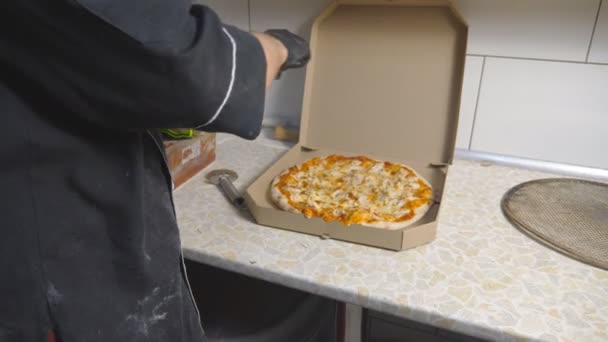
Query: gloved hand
298,49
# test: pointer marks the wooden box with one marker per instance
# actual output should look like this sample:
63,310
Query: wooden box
188,157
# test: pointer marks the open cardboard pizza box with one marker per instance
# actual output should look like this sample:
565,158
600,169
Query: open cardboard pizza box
384,82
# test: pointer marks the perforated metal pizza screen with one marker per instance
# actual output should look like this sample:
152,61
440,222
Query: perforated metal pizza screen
568,215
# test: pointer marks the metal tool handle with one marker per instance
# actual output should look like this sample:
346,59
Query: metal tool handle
231,192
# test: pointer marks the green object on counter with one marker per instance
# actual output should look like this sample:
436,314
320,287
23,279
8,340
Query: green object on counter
178,133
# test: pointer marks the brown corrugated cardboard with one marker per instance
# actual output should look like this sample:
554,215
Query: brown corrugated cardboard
385,82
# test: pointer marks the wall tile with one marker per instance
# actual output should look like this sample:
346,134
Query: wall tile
284,101
544,110
296,16
543,29
599,48
233,12
468,101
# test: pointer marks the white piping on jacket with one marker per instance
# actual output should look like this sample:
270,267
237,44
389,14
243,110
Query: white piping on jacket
230,85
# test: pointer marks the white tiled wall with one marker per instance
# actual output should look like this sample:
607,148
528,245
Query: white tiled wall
599,48
544,110
470,90
536,80
545,29
546,97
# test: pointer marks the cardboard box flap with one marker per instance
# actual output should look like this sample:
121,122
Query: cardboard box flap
385,79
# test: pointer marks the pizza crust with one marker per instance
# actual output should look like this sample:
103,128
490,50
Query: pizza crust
281,201
278,198
420,212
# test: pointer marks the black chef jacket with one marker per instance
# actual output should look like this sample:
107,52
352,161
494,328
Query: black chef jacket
89,245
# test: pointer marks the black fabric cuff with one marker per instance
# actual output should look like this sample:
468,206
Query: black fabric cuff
243,110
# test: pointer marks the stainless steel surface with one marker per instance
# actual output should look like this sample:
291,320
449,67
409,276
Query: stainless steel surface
538,165
565,214
224,179
214,176
231,192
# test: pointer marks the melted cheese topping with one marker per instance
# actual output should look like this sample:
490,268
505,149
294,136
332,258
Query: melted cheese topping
354,190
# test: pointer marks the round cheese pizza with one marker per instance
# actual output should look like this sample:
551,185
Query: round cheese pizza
354,190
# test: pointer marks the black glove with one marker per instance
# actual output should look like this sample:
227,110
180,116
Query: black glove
298,50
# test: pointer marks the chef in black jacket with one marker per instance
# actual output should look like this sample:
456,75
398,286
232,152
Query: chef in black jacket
89,246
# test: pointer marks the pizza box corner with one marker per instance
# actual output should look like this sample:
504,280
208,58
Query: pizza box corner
385,82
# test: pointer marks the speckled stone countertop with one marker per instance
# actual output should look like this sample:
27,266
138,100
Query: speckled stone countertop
480,276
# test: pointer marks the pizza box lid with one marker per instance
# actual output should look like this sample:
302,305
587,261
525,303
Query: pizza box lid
385,79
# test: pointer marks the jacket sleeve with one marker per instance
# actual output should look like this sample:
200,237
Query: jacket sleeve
138,63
